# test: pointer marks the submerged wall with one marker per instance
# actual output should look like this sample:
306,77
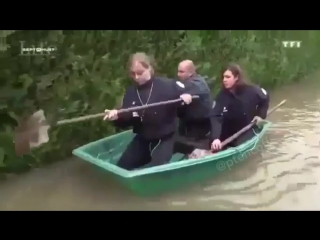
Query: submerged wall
86,73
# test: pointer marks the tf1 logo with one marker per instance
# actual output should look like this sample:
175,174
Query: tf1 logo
291,44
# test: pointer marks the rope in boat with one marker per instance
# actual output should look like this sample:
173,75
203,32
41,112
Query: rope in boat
254,145
109,152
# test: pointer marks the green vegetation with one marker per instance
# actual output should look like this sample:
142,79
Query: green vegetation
88,74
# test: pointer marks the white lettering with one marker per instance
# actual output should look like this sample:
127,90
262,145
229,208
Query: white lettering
291,44
285,43
41,49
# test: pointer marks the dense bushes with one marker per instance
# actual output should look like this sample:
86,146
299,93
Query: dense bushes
88,74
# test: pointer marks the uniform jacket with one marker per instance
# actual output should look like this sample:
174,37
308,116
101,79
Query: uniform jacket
233,111
156,122
200,109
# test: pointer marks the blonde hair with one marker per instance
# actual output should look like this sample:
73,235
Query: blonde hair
142,58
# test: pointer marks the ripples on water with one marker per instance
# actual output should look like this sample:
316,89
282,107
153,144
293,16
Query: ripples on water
284,176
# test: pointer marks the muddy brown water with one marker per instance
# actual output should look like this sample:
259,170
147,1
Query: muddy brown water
283,175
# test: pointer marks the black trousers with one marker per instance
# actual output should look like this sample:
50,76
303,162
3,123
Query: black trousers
197,129
145,153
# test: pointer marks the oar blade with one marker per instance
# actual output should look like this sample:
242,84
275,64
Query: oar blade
31,133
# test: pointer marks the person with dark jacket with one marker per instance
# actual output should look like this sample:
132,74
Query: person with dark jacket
237,105
155,127
195,117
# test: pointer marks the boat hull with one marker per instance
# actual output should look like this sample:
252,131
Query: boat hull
177,174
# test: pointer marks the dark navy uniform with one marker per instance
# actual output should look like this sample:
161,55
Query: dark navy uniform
155,127
234,111
195,117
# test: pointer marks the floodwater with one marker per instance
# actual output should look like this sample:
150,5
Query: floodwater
284,175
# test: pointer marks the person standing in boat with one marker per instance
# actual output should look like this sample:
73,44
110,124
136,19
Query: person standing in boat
195,117
237,105
155,127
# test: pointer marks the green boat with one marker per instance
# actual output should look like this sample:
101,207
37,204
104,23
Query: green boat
178,173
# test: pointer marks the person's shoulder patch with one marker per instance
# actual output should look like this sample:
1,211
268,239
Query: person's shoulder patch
214,104
263,91
180,84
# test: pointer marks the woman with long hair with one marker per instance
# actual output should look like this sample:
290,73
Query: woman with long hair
237,105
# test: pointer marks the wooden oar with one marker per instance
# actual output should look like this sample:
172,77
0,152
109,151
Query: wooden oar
200,145
33,131
131,109
243,130
200,152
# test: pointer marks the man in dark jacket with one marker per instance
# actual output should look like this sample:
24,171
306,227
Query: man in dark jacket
195,117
